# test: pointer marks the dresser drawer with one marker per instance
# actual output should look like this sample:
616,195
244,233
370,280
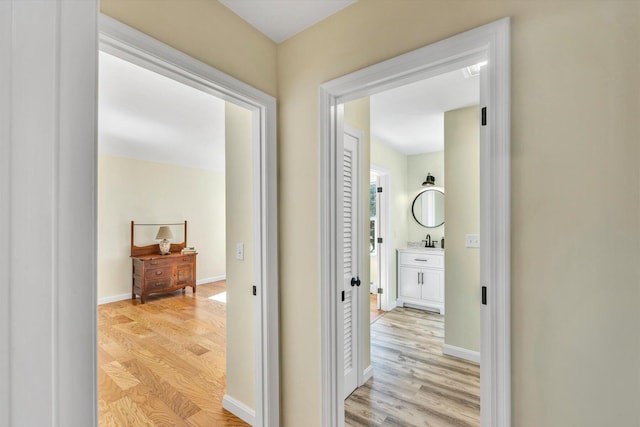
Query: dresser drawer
158,262
159,285
158,273
421,260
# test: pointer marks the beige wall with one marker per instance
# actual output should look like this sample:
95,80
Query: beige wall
418,166
205,30
462,215
148,192
240,274
575,276
396,163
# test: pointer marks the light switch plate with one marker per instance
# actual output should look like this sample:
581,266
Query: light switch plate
473,240
240,251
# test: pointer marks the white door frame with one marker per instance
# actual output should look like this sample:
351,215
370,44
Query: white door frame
384,256
490,42
48,154
131,45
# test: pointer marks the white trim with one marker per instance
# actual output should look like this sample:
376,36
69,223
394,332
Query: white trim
210,279
48,89
122,297
367,374
239,409
114,298
461,353
134,46
384,177
6,29
491,42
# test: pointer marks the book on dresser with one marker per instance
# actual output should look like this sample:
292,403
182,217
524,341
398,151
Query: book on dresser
155,273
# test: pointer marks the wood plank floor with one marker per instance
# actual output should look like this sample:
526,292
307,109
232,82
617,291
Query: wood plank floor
374,313
163,363
414,384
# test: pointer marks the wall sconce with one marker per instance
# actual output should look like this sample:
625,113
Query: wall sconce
164,234
429,181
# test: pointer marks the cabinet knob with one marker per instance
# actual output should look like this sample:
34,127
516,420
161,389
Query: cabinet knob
159,272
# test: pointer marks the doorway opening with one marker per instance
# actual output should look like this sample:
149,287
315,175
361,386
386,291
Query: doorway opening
405,344
490,43
251,242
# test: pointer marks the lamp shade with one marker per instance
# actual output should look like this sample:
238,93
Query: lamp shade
164,232
429,181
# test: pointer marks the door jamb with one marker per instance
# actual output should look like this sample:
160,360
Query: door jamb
133,46
385,232
490,42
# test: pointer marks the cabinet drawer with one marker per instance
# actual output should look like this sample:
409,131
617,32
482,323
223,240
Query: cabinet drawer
421,260
158,262
158,273
156,285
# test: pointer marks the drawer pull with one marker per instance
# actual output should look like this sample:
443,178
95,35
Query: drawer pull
185,259
155,262
159,272
420,259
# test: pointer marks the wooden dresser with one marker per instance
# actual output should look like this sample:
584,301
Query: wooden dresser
154,273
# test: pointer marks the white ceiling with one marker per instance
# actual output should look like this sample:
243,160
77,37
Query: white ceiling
147,116
281,19
410,118
144,115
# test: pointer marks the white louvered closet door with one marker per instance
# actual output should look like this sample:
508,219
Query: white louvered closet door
351,238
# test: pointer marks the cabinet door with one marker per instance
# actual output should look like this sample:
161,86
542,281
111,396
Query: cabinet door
184,273
432,289
410,282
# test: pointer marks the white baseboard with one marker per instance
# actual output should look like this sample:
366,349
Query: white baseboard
114,298
461,353
367,374
389,307
239,409
211,279
123,297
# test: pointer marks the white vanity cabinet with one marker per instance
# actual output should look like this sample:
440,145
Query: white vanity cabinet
421,278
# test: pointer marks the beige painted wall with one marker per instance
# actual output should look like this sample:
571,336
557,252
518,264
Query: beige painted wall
207,31
418,166
575,303
357,115
396,163
240,274
148,192
462,215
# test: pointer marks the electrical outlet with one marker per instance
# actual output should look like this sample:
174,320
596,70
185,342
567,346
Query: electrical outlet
473,240
240,251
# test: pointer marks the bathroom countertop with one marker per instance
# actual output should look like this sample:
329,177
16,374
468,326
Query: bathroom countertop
423,249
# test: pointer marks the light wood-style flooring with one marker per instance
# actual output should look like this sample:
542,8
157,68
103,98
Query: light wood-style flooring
374,313
414,384
163,363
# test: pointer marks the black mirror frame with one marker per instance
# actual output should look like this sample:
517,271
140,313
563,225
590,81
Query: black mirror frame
414,202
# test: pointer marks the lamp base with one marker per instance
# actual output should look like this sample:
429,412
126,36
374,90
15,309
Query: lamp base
165,247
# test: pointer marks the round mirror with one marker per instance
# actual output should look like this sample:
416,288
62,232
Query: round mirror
428,207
